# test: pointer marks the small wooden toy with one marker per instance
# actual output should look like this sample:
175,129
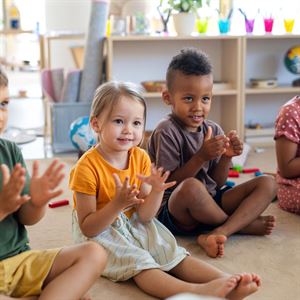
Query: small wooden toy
58,203
253,170
238,168
233,173
230,183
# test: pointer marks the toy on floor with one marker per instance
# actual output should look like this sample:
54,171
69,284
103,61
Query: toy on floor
233,173
238,168
230,183
58,203
253,170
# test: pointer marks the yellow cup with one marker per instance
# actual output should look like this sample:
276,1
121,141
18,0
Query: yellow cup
202,25
289,25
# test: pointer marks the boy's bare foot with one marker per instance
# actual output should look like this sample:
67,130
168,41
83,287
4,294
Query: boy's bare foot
248,284
219,287
263,225
213,244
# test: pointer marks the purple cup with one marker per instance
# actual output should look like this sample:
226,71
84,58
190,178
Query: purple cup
268,24
249,24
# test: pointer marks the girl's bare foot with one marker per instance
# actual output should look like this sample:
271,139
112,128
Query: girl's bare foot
263,225
213,244
247,285
256,279
87,296
219,287
3,297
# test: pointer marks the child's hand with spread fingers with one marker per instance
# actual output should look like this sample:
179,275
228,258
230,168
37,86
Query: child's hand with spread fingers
12,185
43,188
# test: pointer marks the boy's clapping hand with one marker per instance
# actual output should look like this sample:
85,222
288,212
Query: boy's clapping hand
213,146
12,185
235,144
42,189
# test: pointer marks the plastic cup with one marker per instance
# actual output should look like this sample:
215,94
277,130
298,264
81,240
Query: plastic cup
268,24
249,25
289,25
224,25
202,25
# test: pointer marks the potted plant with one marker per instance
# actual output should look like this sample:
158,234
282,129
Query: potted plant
184,20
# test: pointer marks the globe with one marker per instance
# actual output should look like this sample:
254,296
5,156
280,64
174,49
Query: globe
81,134
292,59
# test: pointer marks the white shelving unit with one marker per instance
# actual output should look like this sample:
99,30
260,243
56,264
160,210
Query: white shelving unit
236,59
142,58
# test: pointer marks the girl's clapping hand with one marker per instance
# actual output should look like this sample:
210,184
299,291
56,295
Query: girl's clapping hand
157,179
126,195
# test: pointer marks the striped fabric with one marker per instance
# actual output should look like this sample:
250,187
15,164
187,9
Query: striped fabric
133,246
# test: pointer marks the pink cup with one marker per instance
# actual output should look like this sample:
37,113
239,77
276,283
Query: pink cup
268,24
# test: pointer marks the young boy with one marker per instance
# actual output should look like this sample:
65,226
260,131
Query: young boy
198,154
25,273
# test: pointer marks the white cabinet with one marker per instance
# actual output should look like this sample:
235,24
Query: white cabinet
142,58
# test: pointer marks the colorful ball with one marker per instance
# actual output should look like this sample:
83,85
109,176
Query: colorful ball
81,134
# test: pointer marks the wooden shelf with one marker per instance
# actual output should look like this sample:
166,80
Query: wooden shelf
218,92
130,38
249,132
15,31
275,90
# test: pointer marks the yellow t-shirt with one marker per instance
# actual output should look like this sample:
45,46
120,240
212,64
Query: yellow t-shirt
92,175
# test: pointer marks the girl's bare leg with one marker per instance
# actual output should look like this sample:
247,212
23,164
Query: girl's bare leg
162,285
81,264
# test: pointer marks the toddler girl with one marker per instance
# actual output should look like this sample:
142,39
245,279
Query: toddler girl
117,193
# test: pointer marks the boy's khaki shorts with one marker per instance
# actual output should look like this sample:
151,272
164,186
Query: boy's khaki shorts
24,274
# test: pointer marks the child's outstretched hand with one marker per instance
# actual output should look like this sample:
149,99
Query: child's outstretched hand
42,189
126,195
157,179
12,186
213,146
235,144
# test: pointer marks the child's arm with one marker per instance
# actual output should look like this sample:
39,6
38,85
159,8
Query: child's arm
212,148
93,221
233,148
42,190
12,186
288,163
153,186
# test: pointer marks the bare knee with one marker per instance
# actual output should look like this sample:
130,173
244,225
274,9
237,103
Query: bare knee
94,255
268,184
192,188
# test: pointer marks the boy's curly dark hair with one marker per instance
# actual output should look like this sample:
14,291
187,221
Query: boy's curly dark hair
189,61
3,78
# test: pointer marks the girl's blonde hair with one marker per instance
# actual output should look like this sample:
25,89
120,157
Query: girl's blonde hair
108,94
3,79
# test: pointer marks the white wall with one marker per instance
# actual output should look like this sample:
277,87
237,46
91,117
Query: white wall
66,15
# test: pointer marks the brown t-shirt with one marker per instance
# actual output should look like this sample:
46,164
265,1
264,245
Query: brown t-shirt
171,146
